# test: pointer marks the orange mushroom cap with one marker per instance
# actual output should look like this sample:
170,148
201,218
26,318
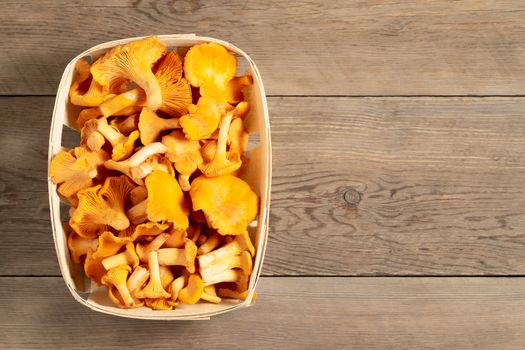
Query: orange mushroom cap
228,203
193,290
237,136
151,125
202,119
79,246
209,64
109,244
99,206
93,267
166,200
186,154
176,92
74,170
90,136
132,62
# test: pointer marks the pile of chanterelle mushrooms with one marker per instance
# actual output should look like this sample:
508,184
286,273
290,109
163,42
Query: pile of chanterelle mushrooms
158,212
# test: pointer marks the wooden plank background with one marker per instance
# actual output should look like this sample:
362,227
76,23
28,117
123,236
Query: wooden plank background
399,153
304,47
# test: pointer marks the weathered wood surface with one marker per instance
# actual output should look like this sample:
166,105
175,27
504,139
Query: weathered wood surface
291,313
361,186
302,47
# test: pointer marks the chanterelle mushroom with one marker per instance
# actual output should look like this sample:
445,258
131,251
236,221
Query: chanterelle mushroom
228,203
184,153
202,119
166,200
90,136
176,92
151,125
85,91
122,145
193,291
223,162
117,277
154,287
132,62
102,205
209,64
74,170
135,160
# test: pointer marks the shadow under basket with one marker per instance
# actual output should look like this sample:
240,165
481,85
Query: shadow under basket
257,174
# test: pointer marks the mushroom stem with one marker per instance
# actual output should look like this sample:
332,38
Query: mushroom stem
210,295
154,287
176,286
232,275
136,159
137,279
211,243
110,133
144,250
238,245
128,257
137,214
127,99
179,257
242,261
184,182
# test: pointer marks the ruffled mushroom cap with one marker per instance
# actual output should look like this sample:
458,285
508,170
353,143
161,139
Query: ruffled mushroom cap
82,82
193,290
209,64
159,304
202,119
186,154
176,92
74,170
149,229
79,246
93,267
117,277
90,136
228,203
87,114
109,244
166,200
176,239
99,206
132,62
126,124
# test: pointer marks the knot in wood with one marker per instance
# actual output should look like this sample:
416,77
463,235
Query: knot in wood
352,197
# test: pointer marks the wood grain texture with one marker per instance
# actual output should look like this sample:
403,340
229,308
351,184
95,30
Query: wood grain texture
306,47
361,186
291,313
